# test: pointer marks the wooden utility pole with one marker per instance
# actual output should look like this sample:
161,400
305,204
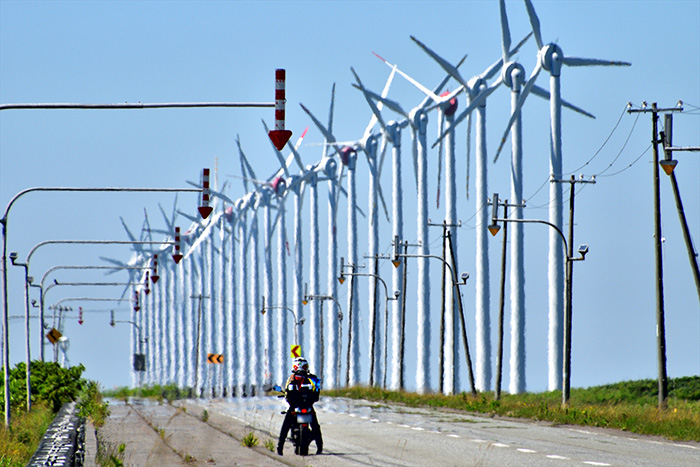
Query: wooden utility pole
660,319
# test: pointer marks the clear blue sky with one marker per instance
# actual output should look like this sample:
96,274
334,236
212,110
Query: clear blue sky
110,52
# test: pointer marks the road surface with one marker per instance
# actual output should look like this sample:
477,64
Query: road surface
365,433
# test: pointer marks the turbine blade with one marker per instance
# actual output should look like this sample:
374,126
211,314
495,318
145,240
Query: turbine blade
490,71
422,88
535,22
129,234
381,198
244,163
326,133
538,91
516,112
170,226
373,120
391,104
451,70
475,102
113,261
578,61
296,155
505,32
375,111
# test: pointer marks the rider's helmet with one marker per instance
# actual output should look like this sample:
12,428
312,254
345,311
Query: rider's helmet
300,365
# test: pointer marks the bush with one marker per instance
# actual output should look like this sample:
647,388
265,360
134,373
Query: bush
50,383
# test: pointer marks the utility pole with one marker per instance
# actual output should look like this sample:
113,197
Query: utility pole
461,315
660,320
566,390
196,358
501,305
448,347
669,164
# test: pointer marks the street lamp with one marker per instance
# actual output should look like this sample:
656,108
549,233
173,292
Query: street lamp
139,363
297,322
306,300
13,258
341,279
4,222
569,257
396,261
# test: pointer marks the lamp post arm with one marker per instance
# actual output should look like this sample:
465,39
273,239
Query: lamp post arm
55,268
538,221
94,242
369,274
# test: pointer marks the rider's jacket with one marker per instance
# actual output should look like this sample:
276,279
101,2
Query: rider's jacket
302,389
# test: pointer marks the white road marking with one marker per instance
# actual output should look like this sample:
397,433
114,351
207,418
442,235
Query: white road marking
554,456
417,428
595,463
526,450
501,445
453,436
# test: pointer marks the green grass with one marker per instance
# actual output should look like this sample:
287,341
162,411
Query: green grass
169,392
250,440
630,406
20,441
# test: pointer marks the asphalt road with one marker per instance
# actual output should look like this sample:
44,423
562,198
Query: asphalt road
366,433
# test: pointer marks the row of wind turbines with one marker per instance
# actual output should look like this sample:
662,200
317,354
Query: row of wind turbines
214,298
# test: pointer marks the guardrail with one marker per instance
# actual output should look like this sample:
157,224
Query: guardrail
64,441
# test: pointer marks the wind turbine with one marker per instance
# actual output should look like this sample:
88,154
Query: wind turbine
477,90
346,153
418,121
392,133
551,58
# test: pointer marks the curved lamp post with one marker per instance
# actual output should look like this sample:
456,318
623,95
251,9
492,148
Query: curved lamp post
396,261
341,279
306,300
569,257
297,322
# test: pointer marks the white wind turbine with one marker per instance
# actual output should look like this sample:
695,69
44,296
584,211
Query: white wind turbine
551,58
345,152
418,122
392,133
477,90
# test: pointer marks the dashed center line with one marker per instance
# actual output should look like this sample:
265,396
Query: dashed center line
554,456
595,463
526,450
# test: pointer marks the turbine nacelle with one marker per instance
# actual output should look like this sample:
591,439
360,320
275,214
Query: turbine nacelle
509,70
279,186
550,56
348,156
449,107
329,167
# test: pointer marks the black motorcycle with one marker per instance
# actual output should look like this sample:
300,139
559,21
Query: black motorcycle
302,432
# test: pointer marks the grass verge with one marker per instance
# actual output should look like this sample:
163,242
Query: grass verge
629,406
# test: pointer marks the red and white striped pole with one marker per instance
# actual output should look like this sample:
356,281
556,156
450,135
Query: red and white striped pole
177,257
137,305
147,290
205,209
155,276
279,135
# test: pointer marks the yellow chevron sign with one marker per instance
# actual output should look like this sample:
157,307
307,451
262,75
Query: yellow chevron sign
54,335
295,350
215,358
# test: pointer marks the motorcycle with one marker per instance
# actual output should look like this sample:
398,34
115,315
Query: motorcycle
302,432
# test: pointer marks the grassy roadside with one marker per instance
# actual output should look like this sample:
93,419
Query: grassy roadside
52,386
629,406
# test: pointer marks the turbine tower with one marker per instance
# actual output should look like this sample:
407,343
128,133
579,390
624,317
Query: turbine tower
551,58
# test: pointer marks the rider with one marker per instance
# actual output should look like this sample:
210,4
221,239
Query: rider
302,390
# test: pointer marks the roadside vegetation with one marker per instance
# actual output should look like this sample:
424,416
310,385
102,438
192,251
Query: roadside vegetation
629,406
52,386
160,393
